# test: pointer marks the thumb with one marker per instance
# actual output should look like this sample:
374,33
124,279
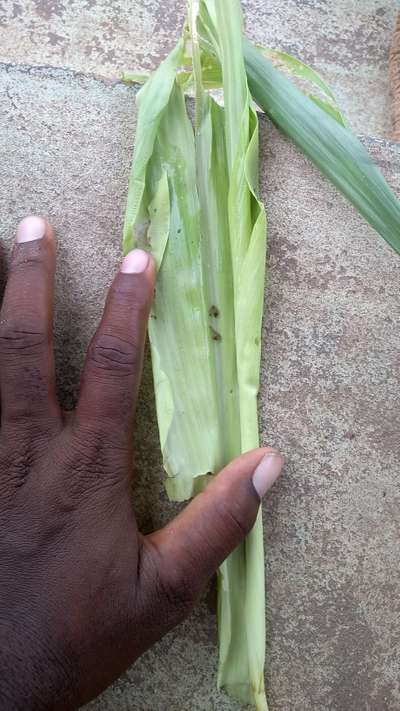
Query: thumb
192,546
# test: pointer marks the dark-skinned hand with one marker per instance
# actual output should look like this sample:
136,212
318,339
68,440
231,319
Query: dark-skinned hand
82,592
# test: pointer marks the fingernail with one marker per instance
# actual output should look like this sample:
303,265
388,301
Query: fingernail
267,472
31,228
135,262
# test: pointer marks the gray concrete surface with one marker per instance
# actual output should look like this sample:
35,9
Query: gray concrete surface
348,41
329,398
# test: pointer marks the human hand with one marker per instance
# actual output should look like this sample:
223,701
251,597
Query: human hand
82,592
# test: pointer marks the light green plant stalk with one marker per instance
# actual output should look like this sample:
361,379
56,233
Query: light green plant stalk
235,240
193,203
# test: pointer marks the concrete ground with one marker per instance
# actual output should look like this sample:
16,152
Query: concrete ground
331,364
347,41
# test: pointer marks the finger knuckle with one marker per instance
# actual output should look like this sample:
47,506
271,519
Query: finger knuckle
21,338
233,518
17,459
114,354
97,459
176,585
178,590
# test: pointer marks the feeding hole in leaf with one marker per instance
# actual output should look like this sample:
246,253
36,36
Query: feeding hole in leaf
213,311
215,335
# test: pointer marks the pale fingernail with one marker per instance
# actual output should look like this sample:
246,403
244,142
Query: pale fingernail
267,472
30,228
135,262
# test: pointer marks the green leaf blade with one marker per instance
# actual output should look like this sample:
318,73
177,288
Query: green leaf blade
331,110
335,150
298,68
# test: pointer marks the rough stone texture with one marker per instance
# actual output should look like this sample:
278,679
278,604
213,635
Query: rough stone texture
329,398
347,41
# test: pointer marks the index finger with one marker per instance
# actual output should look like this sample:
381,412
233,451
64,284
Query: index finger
113,367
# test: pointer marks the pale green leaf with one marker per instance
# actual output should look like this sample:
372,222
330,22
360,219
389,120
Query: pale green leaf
152,101
329,109
135,77
297,68
283,60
